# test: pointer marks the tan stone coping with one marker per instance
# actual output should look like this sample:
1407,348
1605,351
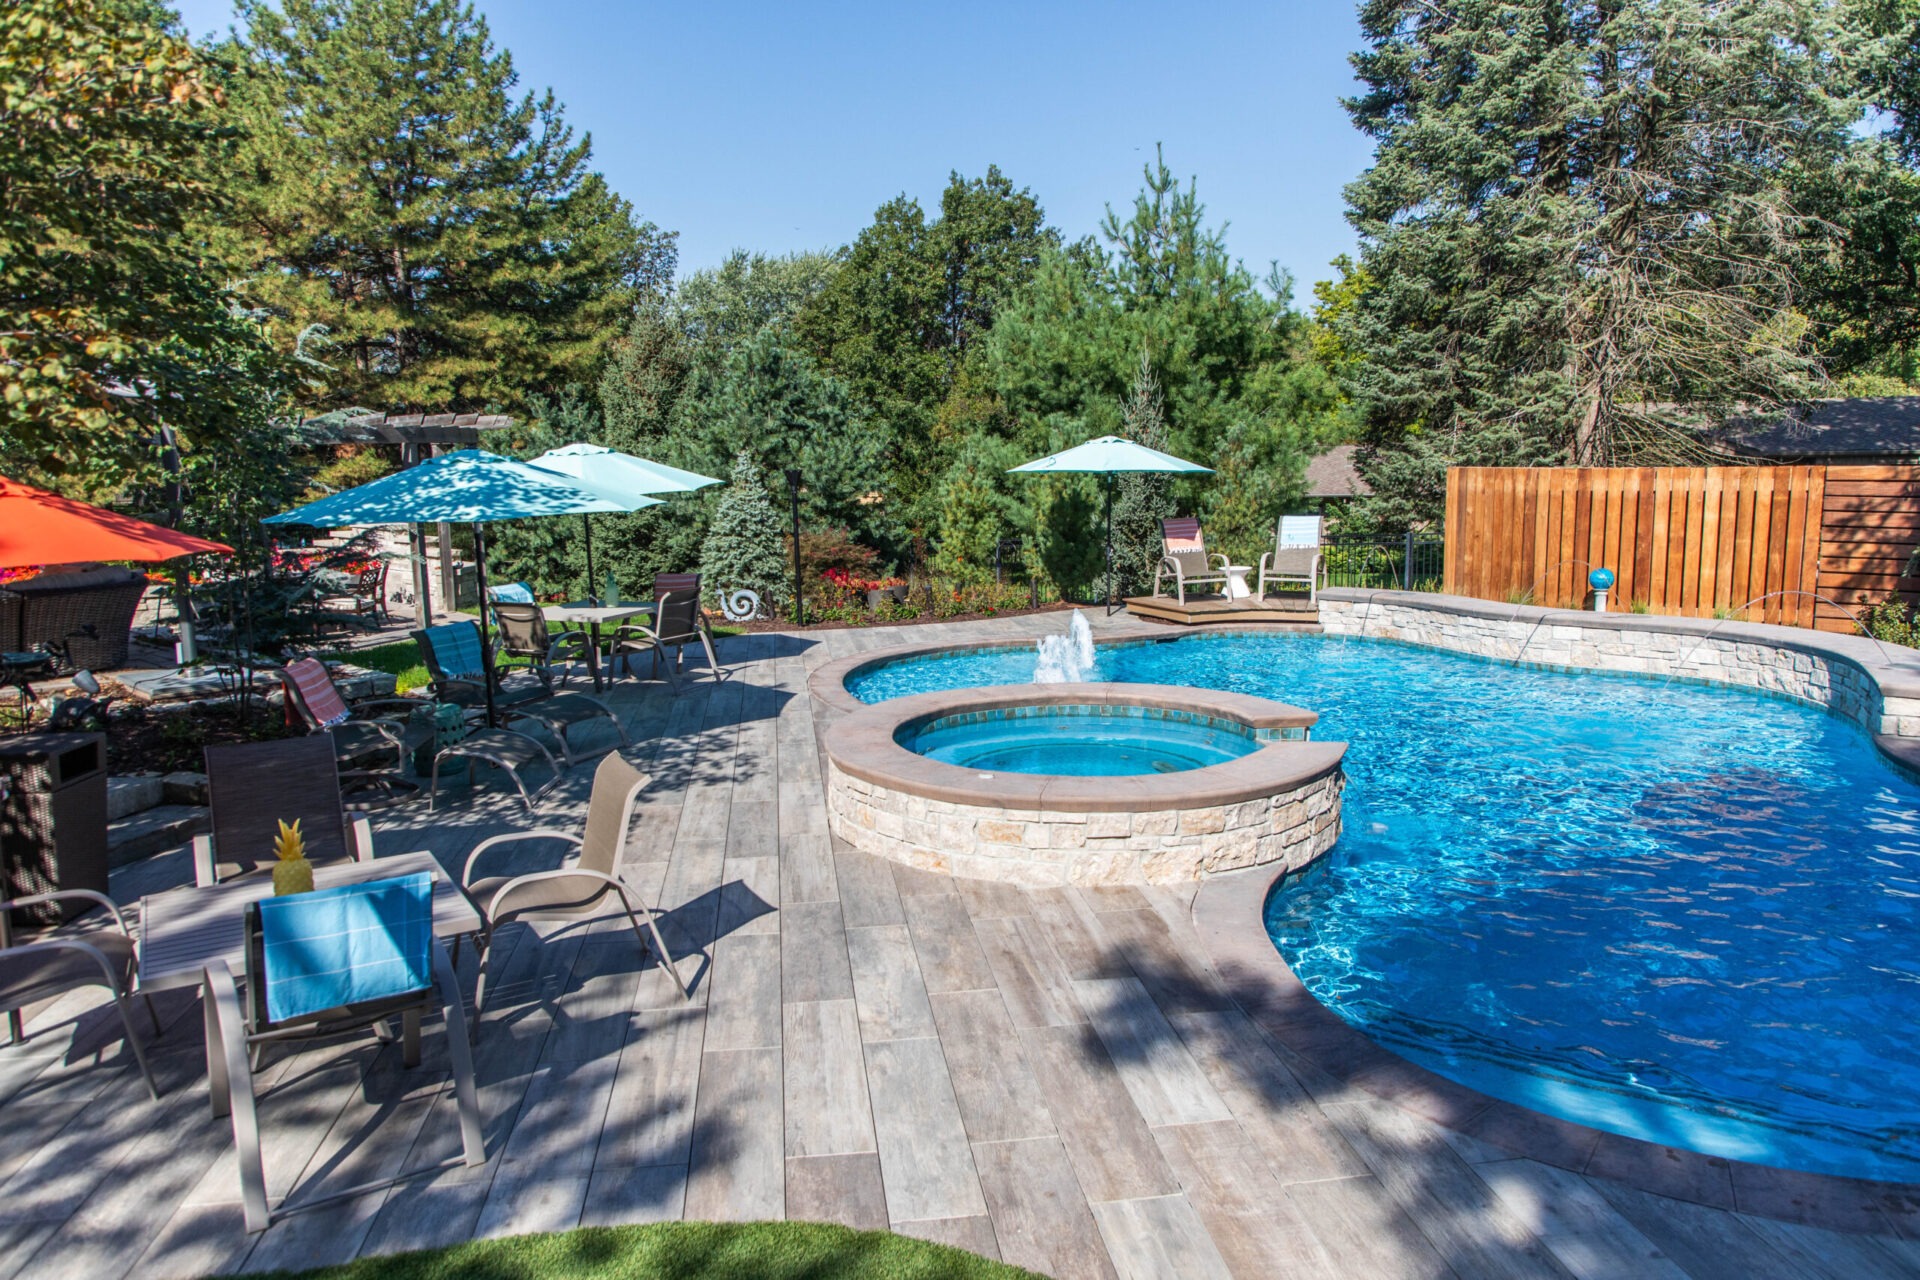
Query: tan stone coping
862,744
1894,668
1229,913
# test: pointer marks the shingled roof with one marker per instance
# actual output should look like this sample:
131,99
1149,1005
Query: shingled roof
1879,427
1332,475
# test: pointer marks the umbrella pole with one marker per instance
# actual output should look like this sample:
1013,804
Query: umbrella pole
1109,544
586,528
480,575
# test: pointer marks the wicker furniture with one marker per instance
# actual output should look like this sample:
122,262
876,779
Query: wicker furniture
86,619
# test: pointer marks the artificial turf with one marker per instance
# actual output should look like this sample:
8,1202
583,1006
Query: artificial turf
684,1251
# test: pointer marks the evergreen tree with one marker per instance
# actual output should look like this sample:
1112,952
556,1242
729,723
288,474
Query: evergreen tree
1142,499
111,324
389,185
743,546
1579,233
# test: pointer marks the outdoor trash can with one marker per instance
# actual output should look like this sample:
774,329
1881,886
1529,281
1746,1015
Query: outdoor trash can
53,819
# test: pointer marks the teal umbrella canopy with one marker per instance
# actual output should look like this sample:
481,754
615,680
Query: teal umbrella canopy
467,487
1107,455
620,476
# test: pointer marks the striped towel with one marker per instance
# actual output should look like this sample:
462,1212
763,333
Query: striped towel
456,647
512,593
344,946
1182,535
309,676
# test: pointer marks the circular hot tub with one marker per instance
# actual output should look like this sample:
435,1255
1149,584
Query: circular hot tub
1084,783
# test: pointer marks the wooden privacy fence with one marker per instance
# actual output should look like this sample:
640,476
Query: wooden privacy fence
1688,540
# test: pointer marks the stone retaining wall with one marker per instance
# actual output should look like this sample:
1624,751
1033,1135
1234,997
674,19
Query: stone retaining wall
1779,660
1040,847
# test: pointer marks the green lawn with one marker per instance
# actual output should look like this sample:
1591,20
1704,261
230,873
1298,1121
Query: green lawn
401,660
684,1251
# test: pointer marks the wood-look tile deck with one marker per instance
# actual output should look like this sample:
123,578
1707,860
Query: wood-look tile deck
1056,1078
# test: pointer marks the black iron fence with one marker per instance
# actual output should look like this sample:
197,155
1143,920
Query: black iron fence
1412,563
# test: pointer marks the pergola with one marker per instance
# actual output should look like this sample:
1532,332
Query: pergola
420,436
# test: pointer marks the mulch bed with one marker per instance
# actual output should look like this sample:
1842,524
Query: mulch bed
775,624
143,740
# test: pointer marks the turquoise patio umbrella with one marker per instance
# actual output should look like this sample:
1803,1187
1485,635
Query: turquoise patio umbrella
1109,456
470,486
620,477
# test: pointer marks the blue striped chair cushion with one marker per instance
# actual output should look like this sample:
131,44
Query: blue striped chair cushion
456,647
343,946
512,593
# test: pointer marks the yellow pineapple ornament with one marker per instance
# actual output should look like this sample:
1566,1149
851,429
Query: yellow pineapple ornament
293,873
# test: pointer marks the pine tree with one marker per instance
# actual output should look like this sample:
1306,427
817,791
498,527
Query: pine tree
1142,499
390,185
1579,238
744,543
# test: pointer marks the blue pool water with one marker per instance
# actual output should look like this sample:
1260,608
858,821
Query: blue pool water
1687,914
1087,742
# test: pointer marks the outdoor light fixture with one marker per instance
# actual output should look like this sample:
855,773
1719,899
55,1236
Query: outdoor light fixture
799,601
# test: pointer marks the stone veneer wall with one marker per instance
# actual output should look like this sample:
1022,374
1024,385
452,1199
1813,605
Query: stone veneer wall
1635,646
1041,847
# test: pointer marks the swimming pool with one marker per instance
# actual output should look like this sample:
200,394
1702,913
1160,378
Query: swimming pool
1681,913
1079,741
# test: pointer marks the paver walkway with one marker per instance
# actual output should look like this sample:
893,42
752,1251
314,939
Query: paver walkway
1052,1077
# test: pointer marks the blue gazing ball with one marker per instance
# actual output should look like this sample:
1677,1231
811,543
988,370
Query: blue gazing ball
1600,579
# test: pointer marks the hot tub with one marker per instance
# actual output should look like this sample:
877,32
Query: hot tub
1083,783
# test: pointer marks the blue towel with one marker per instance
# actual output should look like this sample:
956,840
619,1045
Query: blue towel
512,593
342,946
456,647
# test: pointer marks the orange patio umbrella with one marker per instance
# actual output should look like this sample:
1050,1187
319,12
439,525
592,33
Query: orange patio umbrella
37,527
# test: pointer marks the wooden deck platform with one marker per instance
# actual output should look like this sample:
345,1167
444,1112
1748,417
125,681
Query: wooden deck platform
1293,612
1060,1078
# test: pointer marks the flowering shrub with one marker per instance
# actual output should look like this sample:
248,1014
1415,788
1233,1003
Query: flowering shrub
846,581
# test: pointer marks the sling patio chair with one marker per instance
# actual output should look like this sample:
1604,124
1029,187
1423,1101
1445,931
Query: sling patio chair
1185,557
42,965
458,671
365,732
1295,558
320,964
253,786
522,633
587,888
678,621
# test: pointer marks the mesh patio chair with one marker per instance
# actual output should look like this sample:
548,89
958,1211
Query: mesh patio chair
320,964
522,633
363,738
678,621
458,670
1295,558
42,965
1185,557
587,888
253,786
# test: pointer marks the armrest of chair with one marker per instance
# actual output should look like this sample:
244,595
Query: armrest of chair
98,899
539,833
205,873
559,873
48,946
364,705
1223,561
360,840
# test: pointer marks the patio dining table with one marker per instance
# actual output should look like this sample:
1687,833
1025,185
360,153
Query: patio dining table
577,612
182,931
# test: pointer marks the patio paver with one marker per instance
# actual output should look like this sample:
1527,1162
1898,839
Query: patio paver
1055,1077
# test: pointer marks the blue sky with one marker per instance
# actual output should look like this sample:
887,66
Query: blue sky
780,127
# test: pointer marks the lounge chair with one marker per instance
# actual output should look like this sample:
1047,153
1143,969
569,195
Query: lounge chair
320,964
678,621
44,965
1184,556
1295,557
253,786
458,670
364,731
585,889
522,633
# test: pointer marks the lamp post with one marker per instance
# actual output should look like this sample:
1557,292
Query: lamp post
799,601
